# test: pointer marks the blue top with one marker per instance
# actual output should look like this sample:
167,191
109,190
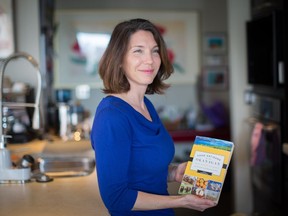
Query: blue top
132,154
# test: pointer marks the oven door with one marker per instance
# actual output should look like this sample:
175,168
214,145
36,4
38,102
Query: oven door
285,176
266,170
266,156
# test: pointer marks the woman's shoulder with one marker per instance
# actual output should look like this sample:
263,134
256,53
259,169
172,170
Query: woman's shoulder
112,106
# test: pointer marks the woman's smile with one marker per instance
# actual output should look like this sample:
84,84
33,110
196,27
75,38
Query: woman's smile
148,71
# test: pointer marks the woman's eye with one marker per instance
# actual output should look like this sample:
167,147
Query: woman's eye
138,51
156,51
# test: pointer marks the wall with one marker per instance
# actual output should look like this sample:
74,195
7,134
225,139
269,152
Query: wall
238,14
27,35
28,39
213,18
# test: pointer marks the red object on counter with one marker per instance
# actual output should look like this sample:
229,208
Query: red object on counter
187,135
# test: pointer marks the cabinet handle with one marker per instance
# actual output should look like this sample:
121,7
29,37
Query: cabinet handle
281,72
285,148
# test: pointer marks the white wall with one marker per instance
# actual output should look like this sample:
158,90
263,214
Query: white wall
238,14
26,40
27,27
213,18
27,30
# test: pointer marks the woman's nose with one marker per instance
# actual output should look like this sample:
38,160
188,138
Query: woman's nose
149,58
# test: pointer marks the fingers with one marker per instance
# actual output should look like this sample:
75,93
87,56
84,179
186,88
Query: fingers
200,204
204,207
180,171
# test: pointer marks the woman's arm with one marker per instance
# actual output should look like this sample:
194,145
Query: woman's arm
146,201
111,140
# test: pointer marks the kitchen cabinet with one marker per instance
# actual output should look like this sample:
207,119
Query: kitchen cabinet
184,138
188,135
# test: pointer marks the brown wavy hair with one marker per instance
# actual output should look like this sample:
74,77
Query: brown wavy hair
110,69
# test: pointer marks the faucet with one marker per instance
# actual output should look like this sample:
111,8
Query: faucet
7,173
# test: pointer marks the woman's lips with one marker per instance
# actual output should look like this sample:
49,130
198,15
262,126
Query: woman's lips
147,71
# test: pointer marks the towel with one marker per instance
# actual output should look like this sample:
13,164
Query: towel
258,151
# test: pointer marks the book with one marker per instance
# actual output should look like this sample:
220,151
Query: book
205,174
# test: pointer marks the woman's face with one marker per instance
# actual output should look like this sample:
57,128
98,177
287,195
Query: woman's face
142,59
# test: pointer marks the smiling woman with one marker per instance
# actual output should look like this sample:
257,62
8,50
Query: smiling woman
127,133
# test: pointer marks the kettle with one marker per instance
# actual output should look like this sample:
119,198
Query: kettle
76,114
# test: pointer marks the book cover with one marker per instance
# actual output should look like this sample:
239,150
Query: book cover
205,173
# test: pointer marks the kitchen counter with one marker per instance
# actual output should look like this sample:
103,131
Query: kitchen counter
71,196
63,196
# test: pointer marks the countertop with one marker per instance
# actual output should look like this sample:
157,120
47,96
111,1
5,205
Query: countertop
63,196
71,196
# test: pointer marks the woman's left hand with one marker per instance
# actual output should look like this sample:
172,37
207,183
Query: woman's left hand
176,172
179,172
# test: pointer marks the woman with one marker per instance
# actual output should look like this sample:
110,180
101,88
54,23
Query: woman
133,149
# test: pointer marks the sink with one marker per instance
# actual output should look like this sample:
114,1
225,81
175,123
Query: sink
69,148
67,167
67,158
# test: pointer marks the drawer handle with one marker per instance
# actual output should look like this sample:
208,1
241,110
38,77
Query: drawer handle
285,148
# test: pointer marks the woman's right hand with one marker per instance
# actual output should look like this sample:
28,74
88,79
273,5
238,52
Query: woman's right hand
194,202
146,201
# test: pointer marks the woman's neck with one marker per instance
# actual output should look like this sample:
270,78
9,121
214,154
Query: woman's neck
137,102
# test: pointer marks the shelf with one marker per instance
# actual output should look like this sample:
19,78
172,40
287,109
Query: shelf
188,135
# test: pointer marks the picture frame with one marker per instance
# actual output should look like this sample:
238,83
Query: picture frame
180,31
215,43
215,60
215,78
7,44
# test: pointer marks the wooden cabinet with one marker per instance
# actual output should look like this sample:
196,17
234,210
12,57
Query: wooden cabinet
189,135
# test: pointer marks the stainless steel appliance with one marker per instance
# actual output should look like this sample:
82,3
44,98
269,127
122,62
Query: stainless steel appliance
17,121
267,159
69,115
8,173
63,97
